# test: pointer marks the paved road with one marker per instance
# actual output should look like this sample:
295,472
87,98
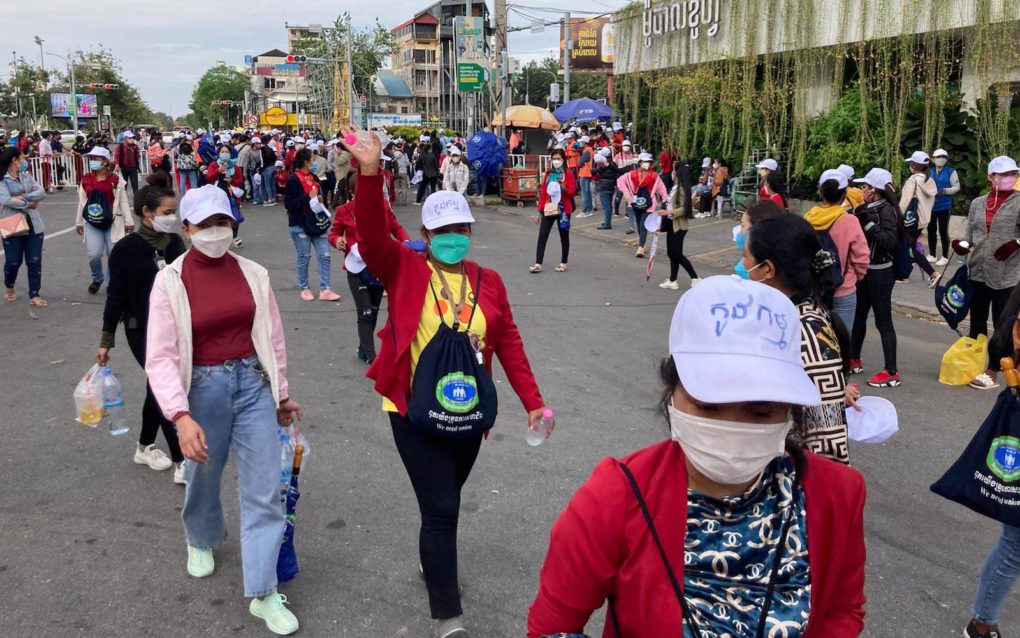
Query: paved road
92,544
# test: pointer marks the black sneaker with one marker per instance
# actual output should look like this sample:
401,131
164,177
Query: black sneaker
971,631
94,287
362,354
603,227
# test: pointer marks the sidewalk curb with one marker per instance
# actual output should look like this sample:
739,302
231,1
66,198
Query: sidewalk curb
906,308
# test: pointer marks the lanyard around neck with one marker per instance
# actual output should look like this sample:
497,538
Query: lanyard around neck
458,306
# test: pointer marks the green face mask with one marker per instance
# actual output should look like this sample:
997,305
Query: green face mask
450,248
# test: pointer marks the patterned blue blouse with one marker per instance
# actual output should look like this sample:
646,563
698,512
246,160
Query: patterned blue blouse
728,555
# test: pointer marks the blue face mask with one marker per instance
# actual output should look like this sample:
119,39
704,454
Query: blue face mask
95,165
315,167
741,271
23,167
740,240
450,248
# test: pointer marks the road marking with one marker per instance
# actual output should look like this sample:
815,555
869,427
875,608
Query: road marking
712,252
51,235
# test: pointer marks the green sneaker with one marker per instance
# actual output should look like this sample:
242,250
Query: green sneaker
200,562
278,618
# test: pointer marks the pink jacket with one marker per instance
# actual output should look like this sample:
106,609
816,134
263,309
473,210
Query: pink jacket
169,346
847,234
658,190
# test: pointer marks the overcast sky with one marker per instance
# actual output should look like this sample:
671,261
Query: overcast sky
165,47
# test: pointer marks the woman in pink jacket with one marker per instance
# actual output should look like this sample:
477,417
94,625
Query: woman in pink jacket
644,193
217,363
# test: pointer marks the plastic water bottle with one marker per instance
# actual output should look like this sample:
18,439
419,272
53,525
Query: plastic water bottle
113,402
286,461
543,426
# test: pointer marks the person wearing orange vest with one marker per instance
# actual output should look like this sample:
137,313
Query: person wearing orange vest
572,149
584,165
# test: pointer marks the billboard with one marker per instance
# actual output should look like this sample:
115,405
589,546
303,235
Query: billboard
593,43
60,105
379,120
469,38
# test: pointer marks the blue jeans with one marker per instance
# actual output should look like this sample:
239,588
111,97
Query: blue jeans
997,576
28,249
259,191
586,202
269,182
845,308
637,220
189,180
303,244
97,244
234,405
606,201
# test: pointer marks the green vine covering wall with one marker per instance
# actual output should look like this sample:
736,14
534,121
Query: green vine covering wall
890,95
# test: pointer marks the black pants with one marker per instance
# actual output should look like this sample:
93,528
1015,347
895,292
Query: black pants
340,192
940,222
675,250
131,177
426,187
438,469
366,302
985,297
548,221
667,181
918,257
874,292
705,202
152,416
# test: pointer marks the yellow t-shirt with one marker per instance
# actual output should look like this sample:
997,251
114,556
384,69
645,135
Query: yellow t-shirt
428,325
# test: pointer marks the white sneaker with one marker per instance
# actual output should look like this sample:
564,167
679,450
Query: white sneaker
238,242
695,281
154,457
942,261
931,259
670,285
179,474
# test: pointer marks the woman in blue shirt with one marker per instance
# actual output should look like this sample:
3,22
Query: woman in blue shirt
20,194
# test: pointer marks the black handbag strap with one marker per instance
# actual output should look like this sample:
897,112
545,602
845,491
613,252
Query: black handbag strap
685,609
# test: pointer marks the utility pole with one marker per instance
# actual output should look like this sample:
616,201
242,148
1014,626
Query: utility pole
568,45
501,48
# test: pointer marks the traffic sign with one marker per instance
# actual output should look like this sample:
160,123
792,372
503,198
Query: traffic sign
363,99
106,110
252,120
276,117
470,77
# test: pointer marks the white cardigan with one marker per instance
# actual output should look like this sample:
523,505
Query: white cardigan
122,216
169,342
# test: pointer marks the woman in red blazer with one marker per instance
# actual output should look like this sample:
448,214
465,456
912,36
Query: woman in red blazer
437,466
555,213
730,528
366,293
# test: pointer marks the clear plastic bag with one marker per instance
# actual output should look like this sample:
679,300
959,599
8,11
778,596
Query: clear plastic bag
88,398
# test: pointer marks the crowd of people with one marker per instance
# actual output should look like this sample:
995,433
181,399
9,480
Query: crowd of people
767,458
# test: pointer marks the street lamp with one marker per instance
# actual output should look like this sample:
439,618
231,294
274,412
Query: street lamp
42,64
74,95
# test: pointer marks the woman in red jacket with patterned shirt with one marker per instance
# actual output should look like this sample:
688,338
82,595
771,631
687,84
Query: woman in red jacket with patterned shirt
551,212
474,301
730,528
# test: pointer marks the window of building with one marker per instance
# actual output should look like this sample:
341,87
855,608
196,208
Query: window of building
424,56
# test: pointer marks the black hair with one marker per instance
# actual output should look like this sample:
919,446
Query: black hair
7,156
223,146
778,186
670,378
156,190
764,209
831,193
302,157
560,152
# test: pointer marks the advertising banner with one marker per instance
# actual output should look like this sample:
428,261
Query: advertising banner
389,120
593,40
60,105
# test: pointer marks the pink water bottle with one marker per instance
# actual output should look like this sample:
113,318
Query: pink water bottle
539,432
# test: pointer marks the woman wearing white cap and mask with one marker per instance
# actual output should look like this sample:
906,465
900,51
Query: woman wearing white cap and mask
880,220
444,310
991,243
730,527
104,213
916,201
947,180
644,193
455,173
217,364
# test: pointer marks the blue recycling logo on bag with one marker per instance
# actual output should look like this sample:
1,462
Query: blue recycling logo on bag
457,392
955,296
1004,458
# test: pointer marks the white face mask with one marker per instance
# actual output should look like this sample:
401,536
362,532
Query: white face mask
165,223
940,161
557,163
646,166
213,242
728,452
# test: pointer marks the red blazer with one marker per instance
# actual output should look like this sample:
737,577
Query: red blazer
567,191
345,226
213,174
406,277
600,547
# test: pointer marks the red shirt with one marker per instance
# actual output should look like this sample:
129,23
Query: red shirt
222,308
600,547
345,225
992,205
406,276
91,181
665,162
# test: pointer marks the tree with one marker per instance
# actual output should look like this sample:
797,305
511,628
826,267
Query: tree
532,83
218,83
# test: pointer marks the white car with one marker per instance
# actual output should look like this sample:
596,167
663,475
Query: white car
67,137
168,138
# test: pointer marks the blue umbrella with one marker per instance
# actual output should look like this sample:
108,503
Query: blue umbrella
485,153
584,110
286,563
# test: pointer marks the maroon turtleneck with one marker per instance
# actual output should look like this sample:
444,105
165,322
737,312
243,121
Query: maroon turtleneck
222,308
995,200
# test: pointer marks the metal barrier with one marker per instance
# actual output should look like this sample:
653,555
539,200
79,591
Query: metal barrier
67,168
517,160
543,164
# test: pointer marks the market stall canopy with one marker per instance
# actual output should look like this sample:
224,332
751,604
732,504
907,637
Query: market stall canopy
584,109
527,116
